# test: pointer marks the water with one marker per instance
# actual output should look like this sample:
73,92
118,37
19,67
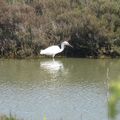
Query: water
64,89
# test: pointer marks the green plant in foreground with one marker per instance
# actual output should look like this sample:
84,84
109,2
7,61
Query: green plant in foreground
114,98
44,117
10,117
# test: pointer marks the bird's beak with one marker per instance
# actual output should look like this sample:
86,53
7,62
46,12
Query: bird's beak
70,45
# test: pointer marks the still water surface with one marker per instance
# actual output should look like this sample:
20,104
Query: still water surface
63,89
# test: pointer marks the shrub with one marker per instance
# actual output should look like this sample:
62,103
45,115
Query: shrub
93,27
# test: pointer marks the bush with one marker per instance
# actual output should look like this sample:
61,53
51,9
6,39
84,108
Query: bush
93,27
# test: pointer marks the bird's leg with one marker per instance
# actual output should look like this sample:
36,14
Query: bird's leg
53,56
53,60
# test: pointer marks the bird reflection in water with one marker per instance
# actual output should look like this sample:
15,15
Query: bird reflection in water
54,73
52,66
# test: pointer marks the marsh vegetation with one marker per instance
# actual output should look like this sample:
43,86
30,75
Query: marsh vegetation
91,26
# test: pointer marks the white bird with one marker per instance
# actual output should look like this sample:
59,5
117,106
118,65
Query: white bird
55,49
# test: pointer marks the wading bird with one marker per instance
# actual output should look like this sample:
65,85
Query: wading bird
55,49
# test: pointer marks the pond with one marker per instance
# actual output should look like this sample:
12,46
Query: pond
60,89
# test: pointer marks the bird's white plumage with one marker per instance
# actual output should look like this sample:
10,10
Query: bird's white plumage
51,50
55,49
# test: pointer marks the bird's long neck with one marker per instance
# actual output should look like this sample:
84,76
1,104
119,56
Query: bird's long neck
62,47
